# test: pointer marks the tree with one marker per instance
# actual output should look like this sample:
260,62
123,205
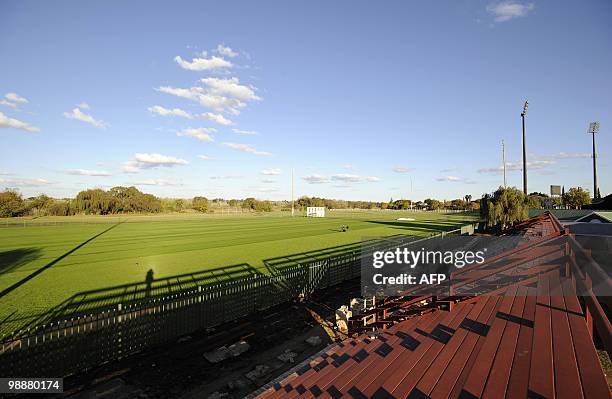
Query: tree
200,204
506,207
468,198
535,200
11,204
433,204
576,197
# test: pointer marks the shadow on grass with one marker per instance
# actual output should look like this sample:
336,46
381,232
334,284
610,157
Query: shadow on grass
15,258
427,226
148,290
53,262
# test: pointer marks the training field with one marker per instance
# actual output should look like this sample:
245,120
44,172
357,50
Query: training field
45,261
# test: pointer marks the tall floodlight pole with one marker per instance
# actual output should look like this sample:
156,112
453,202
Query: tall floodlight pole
292,202
594,128
524,148
504,160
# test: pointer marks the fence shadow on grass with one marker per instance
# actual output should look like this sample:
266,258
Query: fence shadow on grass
422,226
149,289
15,258
53,262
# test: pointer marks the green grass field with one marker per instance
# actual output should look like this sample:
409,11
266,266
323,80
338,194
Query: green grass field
53,259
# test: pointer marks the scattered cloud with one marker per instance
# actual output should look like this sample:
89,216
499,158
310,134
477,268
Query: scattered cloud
8,104
217,118
350,178
150,161
507,10
245,132
203,64
230,87
450,178
158,109
226,177
518,166
6,123
573,155
226,51
402,169
271,172
83,105
79,115
201,133
157,182
24,182
16,98
86,172
205,157
206,98
268,181
246,148
316,179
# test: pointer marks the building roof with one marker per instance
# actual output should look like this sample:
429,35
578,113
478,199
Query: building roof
530,340
561,214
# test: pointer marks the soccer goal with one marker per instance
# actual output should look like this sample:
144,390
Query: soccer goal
315,211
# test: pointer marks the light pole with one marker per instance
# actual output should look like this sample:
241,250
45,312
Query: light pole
594,128
504,160
524,148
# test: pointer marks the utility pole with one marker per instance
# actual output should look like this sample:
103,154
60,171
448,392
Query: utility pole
504,160
292,202
524,148
594,128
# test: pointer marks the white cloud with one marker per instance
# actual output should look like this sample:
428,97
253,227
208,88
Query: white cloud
230,87
79,115
226,177
24,182
149,161
205,157
169,112
86,172
268,181
245,132
83,106
157,182
201,133
246,148
6,122
350,178
450,178
271,172
226,51
507,10
217,118
16,98
573,155
518,166
316,179
402,169
8,104
203,64
206,98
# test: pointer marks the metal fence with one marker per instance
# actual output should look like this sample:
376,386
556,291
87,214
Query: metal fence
63,347
67,346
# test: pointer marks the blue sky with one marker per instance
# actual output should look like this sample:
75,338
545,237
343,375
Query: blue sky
364,100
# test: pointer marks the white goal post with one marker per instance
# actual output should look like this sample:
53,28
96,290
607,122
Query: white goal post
315,211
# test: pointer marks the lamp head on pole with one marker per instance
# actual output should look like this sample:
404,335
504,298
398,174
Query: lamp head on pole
593,128
525,108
